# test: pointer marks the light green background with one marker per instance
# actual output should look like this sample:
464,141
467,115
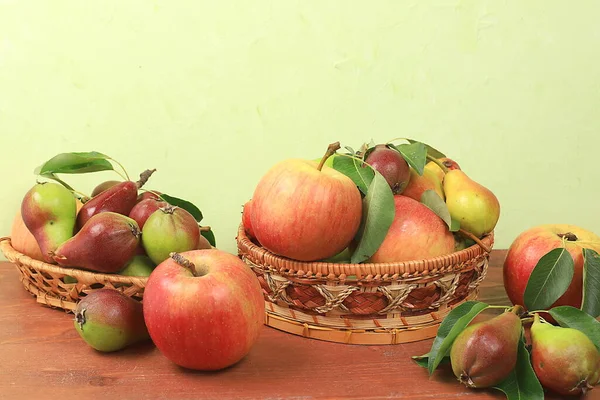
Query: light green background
212,93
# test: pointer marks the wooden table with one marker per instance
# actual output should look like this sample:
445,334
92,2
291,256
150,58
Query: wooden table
42,357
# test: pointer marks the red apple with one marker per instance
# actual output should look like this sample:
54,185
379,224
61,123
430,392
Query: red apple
531,245
149,195
416,233
143,209
304,213
246,220
207,315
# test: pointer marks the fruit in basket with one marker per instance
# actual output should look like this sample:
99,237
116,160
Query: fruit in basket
109,321
119,198
473,205
204,309
448,163
169,229
246,220
143,209
305,211
22,240
104,244
104,186
138,266
532,244
485,353
564,359
416,233
49,211
418,184
203,243
149,195
391,165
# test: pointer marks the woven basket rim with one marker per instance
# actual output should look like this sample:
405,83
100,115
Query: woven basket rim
417,267
79,274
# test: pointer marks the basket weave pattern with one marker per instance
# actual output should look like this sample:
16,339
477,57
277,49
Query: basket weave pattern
364,298
47,282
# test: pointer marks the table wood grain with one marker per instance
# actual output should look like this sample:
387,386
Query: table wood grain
42,357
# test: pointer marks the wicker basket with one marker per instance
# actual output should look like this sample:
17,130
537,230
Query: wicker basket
386,303
47,281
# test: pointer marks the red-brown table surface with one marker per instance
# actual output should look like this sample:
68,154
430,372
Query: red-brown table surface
42,357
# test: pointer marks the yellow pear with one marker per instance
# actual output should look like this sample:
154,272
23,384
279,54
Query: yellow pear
418,184
473,205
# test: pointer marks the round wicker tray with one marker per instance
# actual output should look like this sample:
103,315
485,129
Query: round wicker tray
47,282
385,303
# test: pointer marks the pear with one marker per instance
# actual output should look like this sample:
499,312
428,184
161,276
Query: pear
49,211
485,353
447,162
564,359
143,209
104,186
169,229
138,266
418,184
473,205
391,165
108,320
104,244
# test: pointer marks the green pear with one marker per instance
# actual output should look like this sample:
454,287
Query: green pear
49,211
109,321
565,360
485,353
473,205
138,266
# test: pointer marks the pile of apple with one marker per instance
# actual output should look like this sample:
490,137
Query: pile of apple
383,203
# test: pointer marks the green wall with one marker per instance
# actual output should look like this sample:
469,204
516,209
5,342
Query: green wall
212,93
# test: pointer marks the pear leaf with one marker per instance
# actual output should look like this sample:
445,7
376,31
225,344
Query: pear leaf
423,361
361,175
186,205
454,323
210,236
591,283
415,155
571,317
377,217
434,202
74,163
350,150
430,150
522,383
454,225
549,279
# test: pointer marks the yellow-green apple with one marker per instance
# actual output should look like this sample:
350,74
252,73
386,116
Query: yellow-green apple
416,233
391,165
532,244
448,163
305,213
246,220
204,309
420,183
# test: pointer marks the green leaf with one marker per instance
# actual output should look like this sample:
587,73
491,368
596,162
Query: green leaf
549,279
186,205
415,155
434,202
571,317
430,150
377,216
454,323
74,163
353,169
455,225
210,236
591,283
350,150
422,361
522,383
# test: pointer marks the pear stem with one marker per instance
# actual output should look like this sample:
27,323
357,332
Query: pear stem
333,147
126,177
204,228
475,239
438,163
144,176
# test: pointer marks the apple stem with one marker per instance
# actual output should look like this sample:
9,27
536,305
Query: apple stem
333,147
144,176
184,262
475,239
438,162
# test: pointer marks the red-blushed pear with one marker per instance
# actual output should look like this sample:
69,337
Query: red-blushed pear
532,244
416,233
204,309
305,210
391,165
143,209
104,186
418,184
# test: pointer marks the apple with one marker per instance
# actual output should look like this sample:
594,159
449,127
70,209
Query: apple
149,195
448,163
416,233
532,244
304,213
418,184
204,311
246,220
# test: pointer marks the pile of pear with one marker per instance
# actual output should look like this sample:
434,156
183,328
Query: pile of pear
564,360
120,230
